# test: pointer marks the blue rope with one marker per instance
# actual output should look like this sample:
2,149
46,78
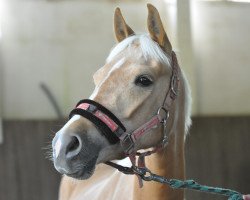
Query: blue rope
145,174
192,185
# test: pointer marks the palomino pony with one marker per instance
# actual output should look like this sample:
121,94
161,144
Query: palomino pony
140,74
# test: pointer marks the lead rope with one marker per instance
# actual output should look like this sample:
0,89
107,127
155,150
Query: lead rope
143,173
139,168
146,175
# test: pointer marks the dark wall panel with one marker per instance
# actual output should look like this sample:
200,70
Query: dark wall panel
25,174
218,154
217,149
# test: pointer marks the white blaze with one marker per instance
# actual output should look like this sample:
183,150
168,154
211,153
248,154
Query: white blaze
73,119
58,147
116,66
58,144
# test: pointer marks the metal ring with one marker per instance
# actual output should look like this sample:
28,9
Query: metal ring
173,85
148,176
166,113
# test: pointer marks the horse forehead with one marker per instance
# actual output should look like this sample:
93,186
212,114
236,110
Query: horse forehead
133,65
134,60
130,60
122,62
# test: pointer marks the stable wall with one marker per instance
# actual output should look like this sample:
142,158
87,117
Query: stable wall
58,43
62,43
215,155
221,47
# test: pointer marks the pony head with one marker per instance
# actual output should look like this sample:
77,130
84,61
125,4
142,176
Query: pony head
132,84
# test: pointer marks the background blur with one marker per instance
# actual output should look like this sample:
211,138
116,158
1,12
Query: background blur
55,46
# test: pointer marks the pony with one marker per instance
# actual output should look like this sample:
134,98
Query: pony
132,85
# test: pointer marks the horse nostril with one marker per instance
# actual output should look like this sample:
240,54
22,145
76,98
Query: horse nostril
74,147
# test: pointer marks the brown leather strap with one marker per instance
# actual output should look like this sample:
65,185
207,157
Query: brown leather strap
174,84
128,140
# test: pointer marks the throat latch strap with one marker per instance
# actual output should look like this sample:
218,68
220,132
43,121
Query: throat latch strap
174,84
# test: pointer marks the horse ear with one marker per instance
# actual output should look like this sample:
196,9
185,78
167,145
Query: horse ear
122,30
156,30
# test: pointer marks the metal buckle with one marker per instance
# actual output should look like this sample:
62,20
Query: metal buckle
92,108
119,132
164,122
174,88
166,114
127,143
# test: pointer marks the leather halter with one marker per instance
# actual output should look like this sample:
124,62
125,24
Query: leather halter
104,120
111,127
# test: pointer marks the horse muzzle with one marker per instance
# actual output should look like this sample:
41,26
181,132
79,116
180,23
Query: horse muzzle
74,154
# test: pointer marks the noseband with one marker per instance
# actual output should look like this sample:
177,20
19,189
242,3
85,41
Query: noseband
112,128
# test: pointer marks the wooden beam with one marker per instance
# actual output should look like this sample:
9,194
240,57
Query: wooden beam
1,131
186,51
1,94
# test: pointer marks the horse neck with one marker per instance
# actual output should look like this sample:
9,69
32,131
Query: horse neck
170,161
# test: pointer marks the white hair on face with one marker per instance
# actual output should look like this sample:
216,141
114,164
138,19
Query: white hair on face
149,49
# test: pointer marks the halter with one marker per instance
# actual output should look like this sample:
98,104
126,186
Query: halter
112,128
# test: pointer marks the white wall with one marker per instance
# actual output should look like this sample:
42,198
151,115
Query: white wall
59,43
222,45
62,43
1,89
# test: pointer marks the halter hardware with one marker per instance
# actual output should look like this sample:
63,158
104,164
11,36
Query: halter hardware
174,86
127,144
165,112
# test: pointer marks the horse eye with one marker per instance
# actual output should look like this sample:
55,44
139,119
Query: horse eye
143,80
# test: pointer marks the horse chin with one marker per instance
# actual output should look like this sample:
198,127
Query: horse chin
85,171
82,175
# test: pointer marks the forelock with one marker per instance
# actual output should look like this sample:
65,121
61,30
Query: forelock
148,48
